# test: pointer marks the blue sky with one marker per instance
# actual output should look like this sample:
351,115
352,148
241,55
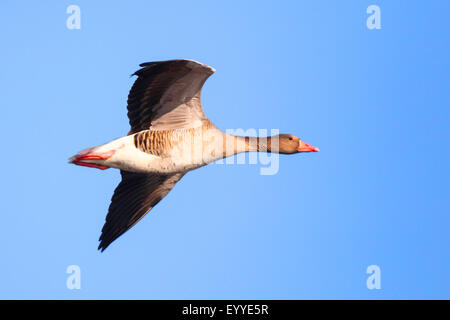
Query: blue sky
376,103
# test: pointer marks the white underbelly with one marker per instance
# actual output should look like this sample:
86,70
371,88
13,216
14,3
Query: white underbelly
132,159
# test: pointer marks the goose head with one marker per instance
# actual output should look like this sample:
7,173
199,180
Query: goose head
288,144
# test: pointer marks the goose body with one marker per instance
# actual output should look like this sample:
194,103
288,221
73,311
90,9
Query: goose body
170,135
167,151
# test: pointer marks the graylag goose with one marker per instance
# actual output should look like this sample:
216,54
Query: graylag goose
170,135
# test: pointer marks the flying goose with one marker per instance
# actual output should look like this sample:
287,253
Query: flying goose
170,135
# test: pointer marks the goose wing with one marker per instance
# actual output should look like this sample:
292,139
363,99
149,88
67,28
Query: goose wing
133,198
166,95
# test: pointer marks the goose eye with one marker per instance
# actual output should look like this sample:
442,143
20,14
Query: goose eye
290,138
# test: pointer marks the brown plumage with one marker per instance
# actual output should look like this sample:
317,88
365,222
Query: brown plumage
157,143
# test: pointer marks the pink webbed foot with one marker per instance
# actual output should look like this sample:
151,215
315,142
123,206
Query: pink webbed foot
80,158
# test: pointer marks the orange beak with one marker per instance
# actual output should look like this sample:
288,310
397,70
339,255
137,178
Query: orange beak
304,147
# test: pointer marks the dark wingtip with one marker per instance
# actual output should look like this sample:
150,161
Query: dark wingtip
143,67
103,244
146,66
102,247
